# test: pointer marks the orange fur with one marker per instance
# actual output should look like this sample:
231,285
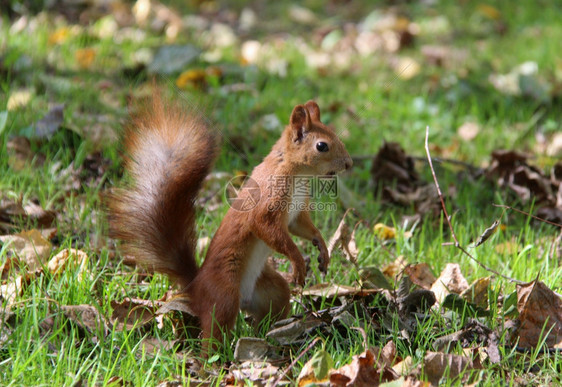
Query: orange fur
170,152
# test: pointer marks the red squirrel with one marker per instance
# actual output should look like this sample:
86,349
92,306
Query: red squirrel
169,152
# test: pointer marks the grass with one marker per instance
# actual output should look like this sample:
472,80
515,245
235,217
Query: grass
40,346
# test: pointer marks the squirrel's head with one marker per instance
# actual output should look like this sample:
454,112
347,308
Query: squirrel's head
312,145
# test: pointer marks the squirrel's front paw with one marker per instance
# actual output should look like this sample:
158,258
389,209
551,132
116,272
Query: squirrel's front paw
324,256
323,260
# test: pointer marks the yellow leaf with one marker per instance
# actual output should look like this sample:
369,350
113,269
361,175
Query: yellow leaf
59,36
194,77
85,57
489,11
19,99
68,256
384,232
406,68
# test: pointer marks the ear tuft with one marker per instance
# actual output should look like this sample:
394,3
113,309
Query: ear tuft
300,122
313,110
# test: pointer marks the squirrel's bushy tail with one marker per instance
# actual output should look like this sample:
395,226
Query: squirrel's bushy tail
169,152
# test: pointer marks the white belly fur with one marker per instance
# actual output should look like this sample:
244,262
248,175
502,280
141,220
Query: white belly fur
297,205
255,265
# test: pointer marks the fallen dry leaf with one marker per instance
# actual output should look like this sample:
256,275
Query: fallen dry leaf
13,288
288,332
477,292
437,365
30,247
362,372
373,277
345,239
330,290
50,123
316,370
9,265
407,68
393,269
87,317
384,232
36,213
258,373
20,154
251,349
420,274
540,316
59,35
67,257
19,98
468,131
392,165
451,280
132,314
85,57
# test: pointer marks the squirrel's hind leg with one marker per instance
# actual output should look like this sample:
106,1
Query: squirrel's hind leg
271,295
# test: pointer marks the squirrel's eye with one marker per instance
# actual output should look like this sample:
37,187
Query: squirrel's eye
322,146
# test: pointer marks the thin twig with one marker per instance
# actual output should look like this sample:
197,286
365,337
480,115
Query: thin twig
295,361
528,214
441,160
457,244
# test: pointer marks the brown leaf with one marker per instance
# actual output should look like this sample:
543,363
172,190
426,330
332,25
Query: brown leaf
345,239
392,164
394,268
19,99
291,330
153,345
540,314
38,214
420,274
373,277
417,301
86,317
13,212
14,288
468,131
10,265
19,153
316,370
451,280
388,354
477,292
487,233
131,314
66,258
474,332
438,365
258,373
30,247
330,291
50,123
362,372
251,349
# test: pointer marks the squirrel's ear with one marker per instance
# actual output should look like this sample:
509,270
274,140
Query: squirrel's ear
300,122
313,110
